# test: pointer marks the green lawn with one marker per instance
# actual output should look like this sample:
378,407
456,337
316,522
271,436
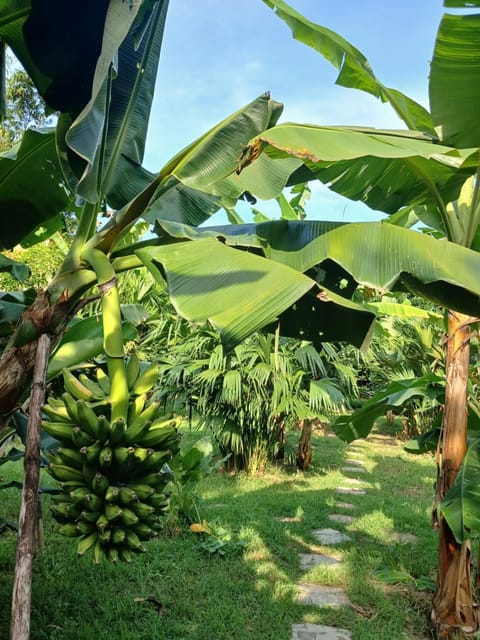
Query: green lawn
177,591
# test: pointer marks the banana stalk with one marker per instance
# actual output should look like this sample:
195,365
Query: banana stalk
112,331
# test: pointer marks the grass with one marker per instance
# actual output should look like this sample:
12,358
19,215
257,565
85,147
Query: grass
177,591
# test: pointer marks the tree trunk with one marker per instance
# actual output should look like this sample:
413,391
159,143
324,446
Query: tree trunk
28,521
454,613
304,451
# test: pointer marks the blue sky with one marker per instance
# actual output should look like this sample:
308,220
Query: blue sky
220,54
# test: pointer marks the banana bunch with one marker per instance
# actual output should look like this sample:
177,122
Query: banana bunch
113,473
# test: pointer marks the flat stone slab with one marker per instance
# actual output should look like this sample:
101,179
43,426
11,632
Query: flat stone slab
340,517
353,480
353,470
288,519
318,632
352,491
322,596
354,462
330,536
310,560
404,538
345,505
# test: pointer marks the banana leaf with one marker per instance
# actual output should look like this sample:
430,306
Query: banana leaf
109,162
387,170
454,91
31,191
460,507
354,69
358,424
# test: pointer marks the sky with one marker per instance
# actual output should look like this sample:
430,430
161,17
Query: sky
219,55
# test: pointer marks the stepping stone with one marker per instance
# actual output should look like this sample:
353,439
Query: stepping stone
354,462
404,538
330,536
353,470
287,519
345,505
350,491
322,596
310,560
318,632
353,481
339,517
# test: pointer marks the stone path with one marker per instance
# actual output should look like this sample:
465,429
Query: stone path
327,596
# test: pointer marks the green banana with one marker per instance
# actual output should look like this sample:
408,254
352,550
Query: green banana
113,512
141,509
148,414
85,527
141,491
102,522
89,516
96,390
81,438
57,414
74,387
128,517
105,456
135,434
118,536
132,369
91,454
155,437
135,407
143,531
93,502
141,454
65,511
80,494
124,554
100,484
86,542
88,419
70,485
155,461
112,554
122,454
70,457
155,479
146,380
126,495
98,552
159,501
69,529
133,541
62,431
103,426
112,494
62,472
117,431
71,407
103,381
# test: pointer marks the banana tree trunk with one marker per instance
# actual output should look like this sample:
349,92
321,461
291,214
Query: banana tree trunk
454,613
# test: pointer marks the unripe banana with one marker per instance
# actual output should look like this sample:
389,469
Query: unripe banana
112,494
71,407
135,407
69,529
132,369
155,461
128,517
91,454
112,554
88,419
133,541
146,380
124,554
126,495
89,516
143,531
63,473
159,500
103,426
155,437
105,457
79,494
140,454
89,471
93,502
74,387
140,490
113,512
122,454
85,527
100,484
61,431
117,431
141,509
55,414
70,485
135,434
147,415
155,479
94,387
70,457
102,522
81,438
98,552
65,511
103,381
86,542
118,536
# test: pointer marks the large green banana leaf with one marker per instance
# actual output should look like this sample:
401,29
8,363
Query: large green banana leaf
354,68
386,170
460,507
454,89
201,178
334,259
31,190
108,161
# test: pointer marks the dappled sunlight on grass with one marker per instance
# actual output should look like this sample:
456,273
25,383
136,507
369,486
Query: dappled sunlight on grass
375,524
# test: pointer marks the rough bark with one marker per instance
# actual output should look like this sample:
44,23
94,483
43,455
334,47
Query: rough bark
28,521
454,613
304,451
